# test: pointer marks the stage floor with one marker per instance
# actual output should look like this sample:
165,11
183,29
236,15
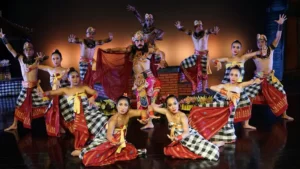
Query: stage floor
273,146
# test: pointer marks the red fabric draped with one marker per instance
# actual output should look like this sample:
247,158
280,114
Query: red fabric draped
177,150
105,154
209,120
275,98
88,77
113,71
52,118
81,132
242,114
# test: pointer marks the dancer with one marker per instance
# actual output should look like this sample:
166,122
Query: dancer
186,142
111,146
29,106
151,33
59,104
140,87
196,67
87,119
87,47
215,120
142,58
243,111
271,88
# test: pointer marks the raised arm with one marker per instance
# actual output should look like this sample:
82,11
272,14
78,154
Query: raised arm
280,22
158,109
73,39
45,68
250,82
247,56
181,28
136,13
214,30
107,40
159,34
137,113
58,92
7,44
217,88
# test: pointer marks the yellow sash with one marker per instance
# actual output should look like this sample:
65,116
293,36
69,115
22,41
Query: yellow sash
174,126
55,80
122,138
76,107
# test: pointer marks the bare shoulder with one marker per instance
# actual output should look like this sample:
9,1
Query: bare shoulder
182,115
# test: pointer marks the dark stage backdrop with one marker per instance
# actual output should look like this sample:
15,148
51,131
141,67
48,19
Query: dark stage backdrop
54,20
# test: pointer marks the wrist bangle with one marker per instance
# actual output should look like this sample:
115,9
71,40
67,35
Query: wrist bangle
151,113
280,26
223,92
4,40
95,96
179,138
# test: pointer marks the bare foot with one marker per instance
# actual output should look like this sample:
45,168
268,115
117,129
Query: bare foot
247,126
148,126
286,117
75,153
12,127
219,143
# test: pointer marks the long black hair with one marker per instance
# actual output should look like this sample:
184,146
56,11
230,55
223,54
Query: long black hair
236,41
71,70
170,96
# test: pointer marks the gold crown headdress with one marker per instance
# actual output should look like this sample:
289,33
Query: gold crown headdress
261,37
27,45
90,30
197,22
148,16
139,35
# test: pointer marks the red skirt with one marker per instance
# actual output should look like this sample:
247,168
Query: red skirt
209,120
242,114
177,150
105,154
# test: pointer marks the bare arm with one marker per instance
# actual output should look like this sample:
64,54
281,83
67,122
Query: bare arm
247,56
110,130
90,91
185,126
182,29
220,60
158,109
107,40
159,34
136,14
58,92
217,88
45,68
137,113
280,22
7,44
250,82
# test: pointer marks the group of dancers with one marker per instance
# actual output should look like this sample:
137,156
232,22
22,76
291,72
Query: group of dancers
100,140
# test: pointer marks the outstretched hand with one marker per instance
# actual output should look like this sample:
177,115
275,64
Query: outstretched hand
281,19
216,30
178,25
110,35
1,34
257,81
131,8
40,56
160,65
72,38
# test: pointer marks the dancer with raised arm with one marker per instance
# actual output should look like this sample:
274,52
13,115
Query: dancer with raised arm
271,88
187,143
196,67
215,120
29,105
243,111
87,51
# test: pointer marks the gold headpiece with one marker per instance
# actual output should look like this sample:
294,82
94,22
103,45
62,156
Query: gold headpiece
125,94
139,35
27,45
261,37
90,30
148,16
197,22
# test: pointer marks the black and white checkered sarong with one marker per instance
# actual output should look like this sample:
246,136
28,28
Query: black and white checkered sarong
192,61
198,144
64,108
10,88
37,101
100,138
83,67
95,119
